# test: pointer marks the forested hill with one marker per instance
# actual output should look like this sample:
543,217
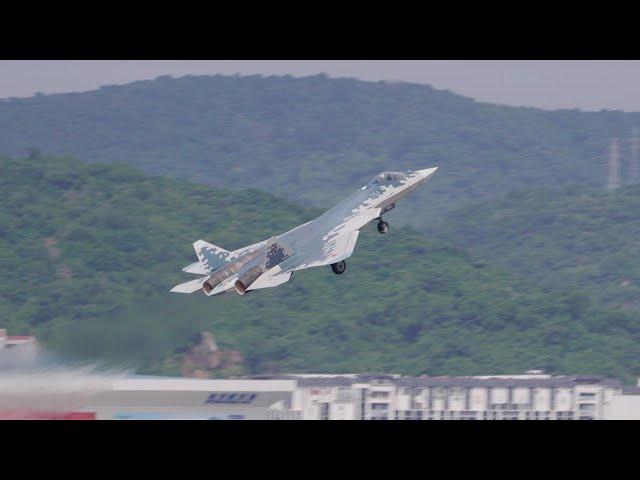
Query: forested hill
563,238
88,254
312,139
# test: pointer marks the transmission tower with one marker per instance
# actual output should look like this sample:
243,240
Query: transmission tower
614,165
635,152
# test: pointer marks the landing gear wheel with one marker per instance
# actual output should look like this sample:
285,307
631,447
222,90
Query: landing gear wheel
339,268
383,227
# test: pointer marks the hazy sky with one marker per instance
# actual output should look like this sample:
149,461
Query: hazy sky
588,85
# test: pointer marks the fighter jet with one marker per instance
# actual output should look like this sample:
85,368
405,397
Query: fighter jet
327,240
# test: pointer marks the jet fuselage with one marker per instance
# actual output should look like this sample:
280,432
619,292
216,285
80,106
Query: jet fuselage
327,240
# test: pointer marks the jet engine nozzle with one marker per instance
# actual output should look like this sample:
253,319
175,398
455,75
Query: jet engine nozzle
207,287
247,278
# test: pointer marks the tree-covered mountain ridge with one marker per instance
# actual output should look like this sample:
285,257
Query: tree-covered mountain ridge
89,252
308,139
574,237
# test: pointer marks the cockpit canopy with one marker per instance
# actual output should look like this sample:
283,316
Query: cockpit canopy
386,178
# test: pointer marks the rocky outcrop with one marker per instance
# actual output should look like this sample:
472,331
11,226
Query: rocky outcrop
203,359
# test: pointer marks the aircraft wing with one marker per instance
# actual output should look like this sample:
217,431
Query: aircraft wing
337,245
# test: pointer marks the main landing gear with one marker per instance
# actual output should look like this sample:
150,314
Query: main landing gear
383,227
339,268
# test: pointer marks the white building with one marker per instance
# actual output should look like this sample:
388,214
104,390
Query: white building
350,397
17,350
625,406
19,341
157,398
518,397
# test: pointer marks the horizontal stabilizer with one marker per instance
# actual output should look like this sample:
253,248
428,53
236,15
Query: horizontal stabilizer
270,281
189,287
197,269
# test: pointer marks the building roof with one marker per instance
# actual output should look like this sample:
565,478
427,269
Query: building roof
287,381
340,380
197,384
503,382
327,382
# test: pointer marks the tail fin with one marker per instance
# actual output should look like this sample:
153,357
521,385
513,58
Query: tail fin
211,256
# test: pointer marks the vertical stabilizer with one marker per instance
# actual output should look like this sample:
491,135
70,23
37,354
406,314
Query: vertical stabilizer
211,256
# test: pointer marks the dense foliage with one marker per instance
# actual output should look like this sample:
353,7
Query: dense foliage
88,253
310,139
574,238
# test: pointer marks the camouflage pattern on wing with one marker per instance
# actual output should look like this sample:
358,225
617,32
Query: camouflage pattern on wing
277,251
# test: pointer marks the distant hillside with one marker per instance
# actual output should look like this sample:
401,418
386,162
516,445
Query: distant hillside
573,238
312,139
88,253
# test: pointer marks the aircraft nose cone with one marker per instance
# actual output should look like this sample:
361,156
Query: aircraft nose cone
427,172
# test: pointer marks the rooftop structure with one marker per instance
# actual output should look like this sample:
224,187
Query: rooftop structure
7,341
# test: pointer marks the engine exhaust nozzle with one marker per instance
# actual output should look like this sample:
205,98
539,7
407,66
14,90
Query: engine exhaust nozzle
247,278
207,287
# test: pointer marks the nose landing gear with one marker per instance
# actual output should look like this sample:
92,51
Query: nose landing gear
339,268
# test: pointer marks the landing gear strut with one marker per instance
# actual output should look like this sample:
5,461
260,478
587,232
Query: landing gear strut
339,268
383,227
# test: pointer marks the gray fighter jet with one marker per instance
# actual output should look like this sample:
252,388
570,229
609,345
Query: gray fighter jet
327,240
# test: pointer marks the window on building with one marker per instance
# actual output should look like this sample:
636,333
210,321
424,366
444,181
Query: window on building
344,394
324,411
379,394
587,395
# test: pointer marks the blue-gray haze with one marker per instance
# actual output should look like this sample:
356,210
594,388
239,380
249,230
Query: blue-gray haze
548,84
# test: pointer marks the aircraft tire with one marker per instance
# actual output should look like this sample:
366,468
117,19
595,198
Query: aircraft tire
383,227
339,268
